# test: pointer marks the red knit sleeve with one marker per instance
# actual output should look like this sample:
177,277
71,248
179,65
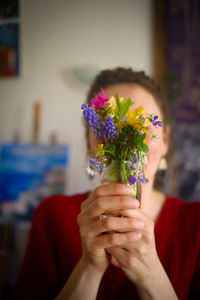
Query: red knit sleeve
194,293
195,286
38,275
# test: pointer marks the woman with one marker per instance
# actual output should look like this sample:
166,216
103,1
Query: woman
157,255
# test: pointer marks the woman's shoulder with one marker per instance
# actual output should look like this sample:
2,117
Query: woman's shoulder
179,204
185,213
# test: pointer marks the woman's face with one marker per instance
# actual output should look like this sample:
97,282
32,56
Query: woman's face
140,96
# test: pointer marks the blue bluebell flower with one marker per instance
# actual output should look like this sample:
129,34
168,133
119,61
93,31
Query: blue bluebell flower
110,129
92,119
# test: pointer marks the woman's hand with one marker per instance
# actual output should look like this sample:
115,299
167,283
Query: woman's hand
138,259
140,262
105,199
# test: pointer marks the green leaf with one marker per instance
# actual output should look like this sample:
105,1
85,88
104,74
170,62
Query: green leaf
124,106
109,161
140,138
109,153
99,140
145,148
140,141
115,119
112,147
118,102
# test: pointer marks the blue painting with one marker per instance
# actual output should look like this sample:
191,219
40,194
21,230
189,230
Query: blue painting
30,173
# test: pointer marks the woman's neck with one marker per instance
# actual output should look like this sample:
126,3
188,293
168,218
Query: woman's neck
152,201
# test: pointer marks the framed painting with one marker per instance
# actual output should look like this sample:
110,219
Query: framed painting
176,69
9,38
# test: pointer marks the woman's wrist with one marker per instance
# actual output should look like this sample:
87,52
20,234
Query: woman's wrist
91,268
156,286
83,283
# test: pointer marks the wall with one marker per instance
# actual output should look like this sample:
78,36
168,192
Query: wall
55,37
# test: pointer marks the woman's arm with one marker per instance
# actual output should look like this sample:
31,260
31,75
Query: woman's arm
82,284
140,262
157,287
85,279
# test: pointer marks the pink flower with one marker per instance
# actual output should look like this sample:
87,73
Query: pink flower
100,100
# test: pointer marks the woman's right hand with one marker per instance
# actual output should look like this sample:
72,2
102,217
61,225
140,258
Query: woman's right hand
107,199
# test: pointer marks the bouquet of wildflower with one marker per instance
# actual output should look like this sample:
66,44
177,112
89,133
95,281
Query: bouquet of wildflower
121,134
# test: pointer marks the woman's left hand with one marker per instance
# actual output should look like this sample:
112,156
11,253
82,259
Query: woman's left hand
139,259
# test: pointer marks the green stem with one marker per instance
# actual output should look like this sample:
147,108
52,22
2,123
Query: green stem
124,172
121,171
119,179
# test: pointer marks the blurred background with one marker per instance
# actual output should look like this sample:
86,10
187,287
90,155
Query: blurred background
49,53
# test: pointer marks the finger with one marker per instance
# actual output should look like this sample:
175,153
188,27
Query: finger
135,213
87,202
113,189
129,213
141,247
115,239
112,224
132,213
123,212
104,204
107,190
124,258
117,252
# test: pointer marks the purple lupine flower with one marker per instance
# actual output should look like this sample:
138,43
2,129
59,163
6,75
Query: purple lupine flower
100,100
109,129
132,179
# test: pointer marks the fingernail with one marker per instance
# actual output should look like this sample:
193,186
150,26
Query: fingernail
136,203
137,235
140,224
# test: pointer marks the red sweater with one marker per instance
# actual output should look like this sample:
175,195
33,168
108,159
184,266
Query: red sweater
54,248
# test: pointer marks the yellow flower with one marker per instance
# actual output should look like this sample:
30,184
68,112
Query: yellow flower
140,111
120,124
134,118
137,122
134,115
99,150
146,122
113,105
112,102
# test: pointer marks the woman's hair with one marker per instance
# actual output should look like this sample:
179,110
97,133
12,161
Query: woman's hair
121,75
